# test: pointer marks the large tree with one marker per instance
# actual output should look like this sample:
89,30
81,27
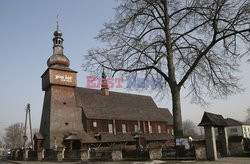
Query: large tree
191,44
14,135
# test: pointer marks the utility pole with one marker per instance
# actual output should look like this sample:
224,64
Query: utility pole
27,116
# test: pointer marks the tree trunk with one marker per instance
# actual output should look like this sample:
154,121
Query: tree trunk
176,107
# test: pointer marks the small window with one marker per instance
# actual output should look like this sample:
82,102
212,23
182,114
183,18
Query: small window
168,131
159,129
234,130
94,124
172,132
124,128
110,127
150,129
136,128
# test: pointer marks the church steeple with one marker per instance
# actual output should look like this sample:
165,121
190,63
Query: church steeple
58,40
105,88
59,83
58,57
104,81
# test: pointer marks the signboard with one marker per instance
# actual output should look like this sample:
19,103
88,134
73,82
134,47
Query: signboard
183,141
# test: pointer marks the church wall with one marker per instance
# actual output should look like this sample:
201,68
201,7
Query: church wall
102,126
45,120
64,116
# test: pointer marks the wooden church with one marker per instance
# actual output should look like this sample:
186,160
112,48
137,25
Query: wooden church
75,117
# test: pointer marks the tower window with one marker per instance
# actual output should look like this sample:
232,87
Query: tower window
64,103
66,123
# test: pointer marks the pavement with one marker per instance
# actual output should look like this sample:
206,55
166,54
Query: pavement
230,160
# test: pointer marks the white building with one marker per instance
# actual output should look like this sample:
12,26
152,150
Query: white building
237,128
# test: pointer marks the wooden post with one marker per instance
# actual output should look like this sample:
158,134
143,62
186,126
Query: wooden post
114,126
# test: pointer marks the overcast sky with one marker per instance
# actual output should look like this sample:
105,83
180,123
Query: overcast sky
26,32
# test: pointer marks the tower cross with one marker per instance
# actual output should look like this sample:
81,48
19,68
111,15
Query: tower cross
57,22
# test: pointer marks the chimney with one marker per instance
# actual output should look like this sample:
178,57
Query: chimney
105,91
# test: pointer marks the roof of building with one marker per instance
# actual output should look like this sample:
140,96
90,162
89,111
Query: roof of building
233,122
166,114
38,136
73,137
211,119
123,137
120,106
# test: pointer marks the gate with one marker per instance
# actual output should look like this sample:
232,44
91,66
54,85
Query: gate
137,154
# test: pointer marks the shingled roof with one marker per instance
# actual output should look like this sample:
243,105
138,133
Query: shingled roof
126,137
233,122
166,114
119,106
211,119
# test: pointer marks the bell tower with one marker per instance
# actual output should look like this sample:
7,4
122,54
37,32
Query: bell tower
60,116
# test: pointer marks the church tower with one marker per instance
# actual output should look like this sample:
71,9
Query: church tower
60,116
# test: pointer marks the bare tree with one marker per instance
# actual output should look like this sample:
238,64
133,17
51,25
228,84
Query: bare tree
191,44
189,128
1,143
14,135
248,115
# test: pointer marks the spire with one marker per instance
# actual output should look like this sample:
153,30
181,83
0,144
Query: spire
58,57
57,24
58,40
104,81
104,86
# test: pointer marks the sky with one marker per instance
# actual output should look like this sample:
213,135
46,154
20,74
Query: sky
26,32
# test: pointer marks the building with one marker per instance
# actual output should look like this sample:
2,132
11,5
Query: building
75,117
238,128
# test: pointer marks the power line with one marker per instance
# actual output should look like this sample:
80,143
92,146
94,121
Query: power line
27,116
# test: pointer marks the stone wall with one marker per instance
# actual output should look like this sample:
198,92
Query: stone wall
40,154
85,154
116,155
200,150
236,148
72,154
155,154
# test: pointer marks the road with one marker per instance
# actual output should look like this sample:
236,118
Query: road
228,160
3,162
